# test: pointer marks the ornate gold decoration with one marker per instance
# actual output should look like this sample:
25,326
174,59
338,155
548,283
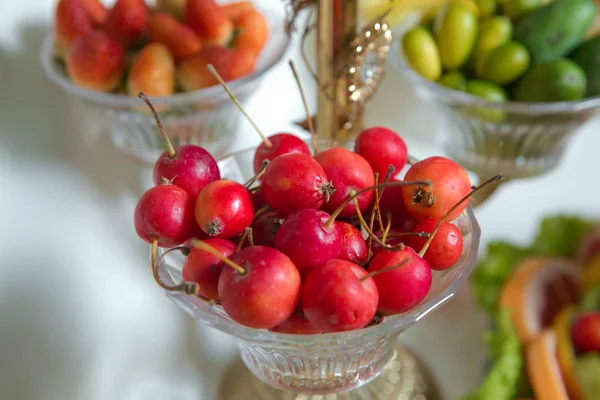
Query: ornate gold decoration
350,65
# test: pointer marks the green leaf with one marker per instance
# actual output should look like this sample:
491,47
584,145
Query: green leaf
561,235
492,272
506,373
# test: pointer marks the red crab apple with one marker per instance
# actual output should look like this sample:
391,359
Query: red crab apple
276,145
354,247
336,298
350,172
265,227
445,248
309,237
190,167
382,147
165,213
204,268
224,209
264,289
295,181
401,287
450,183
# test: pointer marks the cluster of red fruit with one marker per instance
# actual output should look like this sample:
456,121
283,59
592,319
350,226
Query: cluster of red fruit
131,48
283,251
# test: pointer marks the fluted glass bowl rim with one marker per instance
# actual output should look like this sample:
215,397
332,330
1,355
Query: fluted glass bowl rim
276,19
461,98
389,326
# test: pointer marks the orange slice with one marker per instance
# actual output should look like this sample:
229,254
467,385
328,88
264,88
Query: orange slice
565,354
542,368
538,289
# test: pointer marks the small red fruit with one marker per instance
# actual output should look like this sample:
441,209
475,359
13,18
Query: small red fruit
192,168
266,226
258,201
96,10
382,147
164,212
308,238
354,247
266,294
449,184
71,21
209,21
334,298
224,209
350,172
295,181
236,9
585,332
445,248
297,324
179,38
253,31
280,143
96,61
152,72
192,73
127,21
204,268
402,288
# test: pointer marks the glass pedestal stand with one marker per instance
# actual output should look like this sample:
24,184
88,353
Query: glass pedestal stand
406,377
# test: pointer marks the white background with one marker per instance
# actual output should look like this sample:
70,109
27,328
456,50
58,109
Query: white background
81,318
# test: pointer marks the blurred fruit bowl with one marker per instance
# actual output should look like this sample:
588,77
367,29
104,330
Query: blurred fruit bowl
197,110
499,93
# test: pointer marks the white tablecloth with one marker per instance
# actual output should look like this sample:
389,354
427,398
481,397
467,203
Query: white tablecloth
81,318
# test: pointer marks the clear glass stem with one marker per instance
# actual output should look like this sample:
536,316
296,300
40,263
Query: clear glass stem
406,377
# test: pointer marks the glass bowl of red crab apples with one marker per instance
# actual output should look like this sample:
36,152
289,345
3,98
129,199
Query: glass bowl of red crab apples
313,255
104,55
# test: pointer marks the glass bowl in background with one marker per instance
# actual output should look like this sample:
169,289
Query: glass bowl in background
326,363
205,117
519,139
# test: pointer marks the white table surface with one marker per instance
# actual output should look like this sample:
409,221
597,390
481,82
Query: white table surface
80,316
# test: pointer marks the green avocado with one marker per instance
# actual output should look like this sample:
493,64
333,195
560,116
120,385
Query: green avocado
558,80
553,31
587,55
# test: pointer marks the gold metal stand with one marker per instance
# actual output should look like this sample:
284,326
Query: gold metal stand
405,378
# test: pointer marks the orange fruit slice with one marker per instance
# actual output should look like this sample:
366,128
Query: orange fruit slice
565,354
542,368
538,289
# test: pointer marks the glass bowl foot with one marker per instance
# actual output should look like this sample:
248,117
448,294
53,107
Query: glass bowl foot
406,377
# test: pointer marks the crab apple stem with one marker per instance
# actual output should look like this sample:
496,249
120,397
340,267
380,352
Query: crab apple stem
256,177
388,226
185,286
172,152
214,72
386,269
363,223
493,179
311,129
250,236
255,188
242,241
379,194
372,218
209,249
400,234
353,194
